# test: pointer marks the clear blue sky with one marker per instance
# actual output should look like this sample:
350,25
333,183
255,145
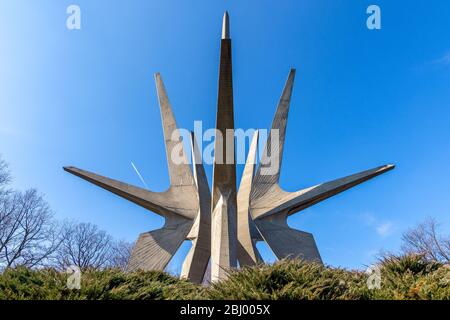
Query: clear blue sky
362,98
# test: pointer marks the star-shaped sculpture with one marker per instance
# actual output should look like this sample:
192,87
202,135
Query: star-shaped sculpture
224,224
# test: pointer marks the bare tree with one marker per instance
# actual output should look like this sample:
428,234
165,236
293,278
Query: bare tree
27,232
85,246
28,235
5,176
121,254
424,240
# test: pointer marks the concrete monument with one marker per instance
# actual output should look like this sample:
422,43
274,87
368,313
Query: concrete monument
224,224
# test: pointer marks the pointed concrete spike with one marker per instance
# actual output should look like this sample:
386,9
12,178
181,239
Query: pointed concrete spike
246,251
224,217
166,204
268,172
196,261
197,164
201,180
247,175
179,171
279,202
226,26
200,175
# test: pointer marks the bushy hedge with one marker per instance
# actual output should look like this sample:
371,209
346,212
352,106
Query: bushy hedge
22,283
407,277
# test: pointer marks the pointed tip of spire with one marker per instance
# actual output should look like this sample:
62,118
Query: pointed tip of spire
226,26
384,168
291,75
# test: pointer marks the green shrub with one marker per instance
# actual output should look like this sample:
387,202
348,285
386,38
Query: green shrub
412,277
404,277
22,283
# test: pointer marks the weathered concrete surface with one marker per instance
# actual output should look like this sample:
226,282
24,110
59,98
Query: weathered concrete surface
196,261
248,234
224,208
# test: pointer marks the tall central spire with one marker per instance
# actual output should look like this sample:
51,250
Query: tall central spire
224,208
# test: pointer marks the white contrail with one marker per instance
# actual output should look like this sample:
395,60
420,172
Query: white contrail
139,175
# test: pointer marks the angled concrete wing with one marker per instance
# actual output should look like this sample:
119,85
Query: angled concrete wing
163,203
286,242
179,205
270,205
153,250
278,201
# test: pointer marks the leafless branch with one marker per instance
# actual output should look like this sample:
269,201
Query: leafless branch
27,232
425,240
